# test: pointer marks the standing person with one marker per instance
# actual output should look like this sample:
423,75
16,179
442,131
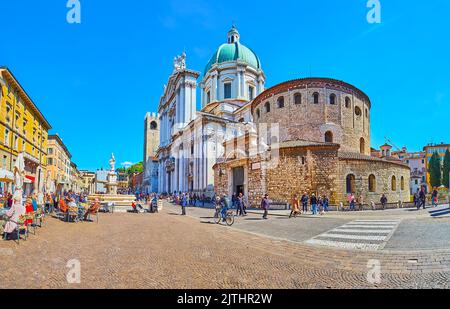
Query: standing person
304,201
244,204
239,205
422,198
383,201
360,203
233,200
416,199
313,202
351,200
265,204
183,204
295,207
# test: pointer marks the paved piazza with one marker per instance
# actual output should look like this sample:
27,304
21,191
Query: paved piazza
167,250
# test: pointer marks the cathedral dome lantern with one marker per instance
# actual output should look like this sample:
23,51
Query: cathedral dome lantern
233,73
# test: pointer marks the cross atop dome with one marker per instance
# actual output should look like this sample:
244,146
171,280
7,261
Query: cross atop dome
233,35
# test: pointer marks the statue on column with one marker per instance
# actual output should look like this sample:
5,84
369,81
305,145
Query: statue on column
112,162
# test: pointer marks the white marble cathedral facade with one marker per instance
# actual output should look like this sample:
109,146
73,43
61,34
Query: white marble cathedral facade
191,140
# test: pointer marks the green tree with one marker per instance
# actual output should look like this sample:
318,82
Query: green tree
446,169
435,170
136,168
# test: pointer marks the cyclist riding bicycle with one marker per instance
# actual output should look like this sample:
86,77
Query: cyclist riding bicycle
225,205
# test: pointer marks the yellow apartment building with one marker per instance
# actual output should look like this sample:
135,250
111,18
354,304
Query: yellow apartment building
59,164
23,128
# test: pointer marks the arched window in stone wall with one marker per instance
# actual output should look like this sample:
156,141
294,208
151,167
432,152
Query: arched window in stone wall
298,98
362,145
351,183
328,137
358,111
394,183
348,102
402,183
280,102
332,99
258,113
367,113
372,183
153,125
267,105
316,98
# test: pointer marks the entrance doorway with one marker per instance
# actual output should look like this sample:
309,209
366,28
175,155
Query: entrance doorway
238,180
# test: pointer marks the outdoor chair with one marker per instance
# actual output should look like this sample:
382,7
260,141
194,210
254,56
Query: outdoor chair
39,217
31,216
93,213
22,226
72,214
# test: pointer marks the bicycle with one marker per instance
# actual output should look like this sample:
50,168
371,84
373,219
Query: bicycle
219,217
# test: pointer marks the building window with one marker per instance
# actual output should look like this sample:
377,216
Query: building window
298,98
348,102
258,113
208,97
16,142
358,111
362,145
6,137
367,113
328,137
153,125
280,102
50,161
394,183
251,91
316,98
350,183
332,99
227,91
267,105
372,183
402,183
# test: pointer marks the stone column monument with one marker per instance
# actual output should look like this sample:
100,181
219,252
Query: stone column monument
111,184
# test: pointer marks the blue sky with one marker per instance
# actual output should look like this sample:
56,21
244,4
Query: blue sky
95,81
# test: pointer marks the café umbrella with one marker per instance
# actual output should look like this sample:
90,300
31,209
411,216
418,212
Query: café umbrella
6,176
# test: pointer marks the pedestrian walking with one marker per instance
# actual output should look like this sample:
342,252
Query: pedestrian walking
244,204
434,198
183,202
295,210
265,204
325,202
422,198
314,204
417,199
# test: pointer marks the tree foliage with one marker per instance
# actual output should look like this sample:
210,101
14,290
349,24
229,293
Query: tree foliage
446,169
135,168
435,170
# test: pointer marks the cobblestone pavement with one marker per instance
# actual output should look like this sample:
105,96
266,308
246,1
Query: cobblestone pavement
166,250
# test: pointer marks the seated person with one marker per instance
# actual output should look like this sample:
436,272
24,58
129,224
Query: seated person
29,209
63,206
93,209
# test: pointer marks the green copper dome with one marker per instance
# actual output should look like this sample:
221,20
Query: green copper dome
234,51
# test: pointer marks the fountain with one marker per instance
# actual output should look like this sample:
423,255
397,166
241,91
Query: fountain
121,203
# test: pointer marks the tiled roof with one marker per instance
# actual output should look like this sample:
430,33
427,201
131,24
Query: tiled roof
358,156
304,143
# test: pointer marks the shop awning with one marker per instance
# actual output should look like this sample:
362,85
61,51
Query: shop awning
30,178
6,176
